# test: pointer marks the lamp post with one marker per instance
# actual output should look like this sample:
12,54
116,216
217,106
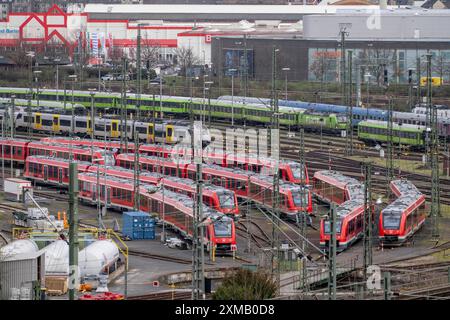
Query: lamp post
56,63
232,95
285,81
206,87
74,78
36,79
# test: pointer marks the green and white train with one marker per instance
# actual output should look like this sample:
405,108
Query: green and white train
375,131
182,107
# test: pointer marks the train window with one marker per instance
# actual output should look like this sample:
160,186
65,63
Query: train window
141,129
114,126
65,123
169,132
80,124
45,122
351,226
38,119
55,121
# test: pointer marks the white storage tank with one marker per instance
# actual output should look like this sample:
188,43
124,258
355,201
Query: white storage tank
57,258
17,247
96,257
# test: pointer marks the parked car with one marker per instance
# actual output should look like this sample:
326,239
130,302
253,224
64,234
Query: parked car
120,77
157,80
108,77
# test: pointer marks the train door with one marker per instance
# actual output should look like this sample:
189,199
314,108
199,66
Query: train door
150,133
89,126
108,196
55,124
114,128
37,121
60,175
94,192
170,133
45,173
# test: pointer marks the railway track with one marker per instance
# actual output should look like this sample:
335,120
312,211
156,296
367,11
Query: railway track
164,295
161,257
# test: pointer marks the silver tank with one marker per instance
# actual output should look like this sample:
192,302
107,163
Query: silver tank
96,257
17,247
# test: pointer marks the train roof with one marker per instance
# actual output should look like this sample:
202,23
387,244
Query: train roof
349,207
336,178
285,185
408,196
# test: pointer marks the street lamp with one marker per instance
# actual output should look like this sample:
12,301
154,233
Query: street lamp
36,79
285,81
205,88
232,95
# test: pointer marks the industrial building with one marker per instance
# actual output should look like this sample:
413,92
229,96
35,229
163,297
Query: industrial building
394,38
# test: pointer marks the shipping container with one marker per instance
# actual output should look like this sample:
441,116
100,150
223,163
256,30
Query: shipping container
138,225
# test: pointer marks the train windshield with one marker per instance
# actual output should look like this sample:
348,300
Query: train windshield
297,171
338,226
300,198
222,227
391,221
109,158
226,200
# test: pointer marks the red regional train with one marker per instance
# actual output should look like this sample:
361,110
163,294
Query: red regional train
289,170
236,180
174,208
55,171
334,188
404,216
51,170
218,198
18,150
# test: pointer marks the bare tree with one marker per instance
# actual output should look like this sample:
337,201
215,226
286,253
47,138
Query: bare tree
322,64
186,58
150,56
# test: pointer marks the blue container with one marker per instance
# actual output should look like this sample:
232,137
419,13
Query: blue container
148,233
138,225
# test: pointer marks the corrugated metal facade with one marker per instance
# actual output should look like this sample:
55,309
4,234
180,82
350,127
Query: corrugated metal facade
21,273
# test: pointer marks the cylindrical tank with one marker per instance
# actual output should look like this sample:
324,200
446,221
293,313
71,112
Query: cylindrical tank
18,247
93,259
57,258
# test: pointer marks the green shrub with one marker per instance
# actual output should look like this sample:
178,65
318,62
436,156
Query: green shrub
246,285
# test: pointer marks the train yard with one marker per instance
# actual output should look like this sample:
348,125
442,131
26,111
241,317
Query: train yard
252,220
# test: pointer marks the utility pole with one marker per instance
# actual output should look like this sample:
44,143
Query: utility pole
418,74
73,229
332,255
428,118
198,272
367,217
390,148
245,68
349,111
435,186
123,109
138,75
276,179
342,76
303,213
136,176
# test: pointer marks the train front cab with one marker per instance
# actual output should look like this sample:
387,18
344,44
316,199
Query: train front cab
394,230
221,235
